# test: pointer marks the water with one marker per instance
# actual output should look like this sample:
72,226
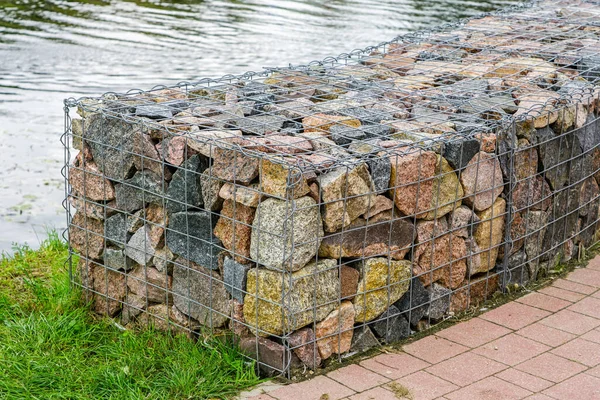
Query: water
53,49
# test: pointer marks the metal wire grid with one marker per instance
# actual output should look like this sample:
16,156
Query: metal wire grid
538,26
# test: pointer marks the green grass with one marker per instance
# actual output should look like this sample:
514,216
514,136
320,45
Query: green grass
52,347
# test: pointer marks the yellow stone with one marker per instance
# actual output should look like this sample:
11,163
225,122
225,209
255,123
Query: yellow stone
281,181
383,282
490,233
447,190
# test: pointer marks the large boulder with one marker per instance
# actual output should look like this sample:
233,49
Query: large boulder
278,303
286,235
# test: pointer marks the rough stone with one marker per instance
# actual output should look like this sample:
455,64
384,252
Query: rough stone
206,142
482,181
139,247
162,260
391,326
302,343
317,284
286,235
536,222
116,259
344,135
86,179
238,323
363,339
133,306
234,278
532,193
185,190
211,188
249,196
474,293
458,153
144,187
200,293
272,357
347,193
234,166
115,230
278,180
380,204
234,229
92,209
147,156
463,222
440,301
348,282
86,235
562,222
517,272
383,282
109,287
440,256
370,239
489,234
380,169
414,303
447,191
190,236
411,183
322,123
525,160
111,141
174,150
151,284
334,333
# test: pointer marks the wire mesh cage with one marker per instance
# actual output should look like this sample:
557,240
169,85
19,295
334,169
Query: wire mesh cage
316,211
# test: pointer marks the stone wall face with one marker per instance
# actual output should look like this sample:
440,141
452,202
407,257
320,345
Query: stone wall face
317,212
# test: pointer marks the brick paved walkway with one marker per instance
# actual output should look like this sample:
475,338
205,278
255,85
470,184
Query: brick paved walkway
545,345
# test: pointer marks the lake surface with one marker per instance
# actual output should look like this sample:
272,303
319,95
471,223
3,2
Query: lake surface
53,49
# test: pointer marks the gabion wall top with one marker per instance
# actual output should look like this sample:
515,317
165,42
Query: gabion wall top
470,79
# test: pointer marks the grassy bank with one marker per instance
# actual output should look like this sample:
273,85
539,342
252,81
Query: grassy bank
52,347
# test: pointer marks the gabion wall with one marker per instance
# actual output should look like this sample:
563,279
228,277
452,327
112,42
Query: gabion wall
320,210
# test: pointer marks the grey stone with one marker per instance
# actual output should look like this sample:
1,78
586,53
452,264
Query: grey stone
163,260
116,259
138,247
516,273
259,125
391,326
366,115
111,141
380,169
185,190
414,303
115,230
190,235
135,221
144,187
343,135
363,339
234,278
154,111
210,186
200,293
286,234
377,131
440,301
458,153
133,306
562,221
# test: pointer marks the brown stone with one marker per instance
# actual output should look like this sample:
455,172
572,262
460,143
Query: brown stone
381,204
440,256
238,323
109,287
302,343
234,166
156,219
249,196
533,193
206,142
86,179
173,150
482,181
234,228
463,221
490,233
148,282
334,333
314,192
447,190
279,180
474,293
349,278
539,105
525,161
487,142
347,193
272,357
323,122
146,156
92,209
411,181
361,239
86,235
